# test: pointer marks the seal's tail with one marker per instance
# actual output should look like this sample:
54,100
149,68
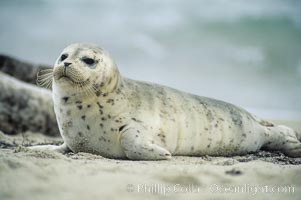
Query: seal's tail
289,131
270,126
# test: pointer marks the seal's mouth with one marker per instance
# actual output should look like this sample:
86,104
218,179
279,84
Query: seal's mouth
64,77
70,79
70,76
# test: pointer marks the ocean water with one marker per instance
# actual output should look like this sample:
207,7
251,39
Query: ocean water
244,52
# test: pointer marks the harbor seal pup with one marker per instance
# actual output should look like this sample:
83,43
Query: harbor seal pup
99,111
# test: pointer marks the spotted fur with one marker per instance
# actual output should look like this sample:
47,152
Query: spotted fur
100,112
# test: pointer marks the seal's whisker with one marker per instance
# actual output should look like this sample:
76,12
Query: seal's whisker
44,82
75,75
41,80
44,78
90,89
82,87
77,88
49,85
44,75
81,90
85,87
46,70
93,89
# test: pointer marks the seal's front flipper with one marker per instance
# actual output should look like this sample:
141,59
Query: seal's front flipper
61,149
137,146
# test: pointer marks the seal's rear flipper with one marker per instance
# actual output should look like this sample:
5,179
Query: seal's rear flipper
284,139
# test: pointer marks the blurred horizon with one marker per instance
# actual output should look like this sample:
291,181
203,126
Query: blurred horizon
244,52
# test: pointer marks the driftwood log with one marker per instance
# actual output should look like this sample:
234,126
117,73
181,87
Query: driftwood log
23,105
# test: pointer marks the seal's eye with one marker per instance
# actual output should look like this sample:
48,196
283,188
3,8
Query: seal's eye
88,61
63,57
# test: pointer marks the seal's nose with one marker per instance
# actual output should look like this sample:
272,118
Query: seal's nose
66,64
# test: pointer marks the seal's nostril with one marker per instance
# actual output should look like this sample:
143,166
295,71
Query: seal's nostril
66,64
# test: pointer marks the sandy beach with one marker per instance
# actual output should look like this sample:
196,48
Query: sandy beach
27,174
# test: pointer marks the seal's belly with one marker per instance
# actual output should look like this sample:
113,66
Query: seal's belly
84,130
209,131
190,125
212,135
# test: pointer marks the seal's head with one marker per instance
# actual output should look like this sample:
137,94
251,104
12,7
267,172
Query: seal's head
84,68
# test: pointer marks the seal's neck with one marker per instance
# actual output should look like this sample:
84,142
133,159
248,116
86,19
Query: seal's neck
64,96
111,83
